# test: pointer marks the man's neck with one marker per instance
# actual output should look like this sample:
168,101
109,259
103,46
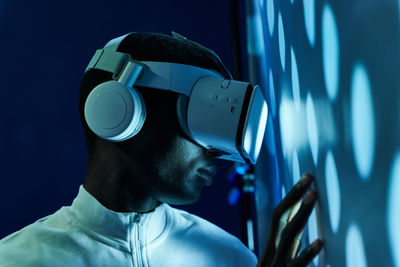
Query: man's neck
113,183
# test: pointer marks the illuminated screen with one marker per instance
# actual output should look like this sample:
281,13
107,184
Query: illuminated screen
329,71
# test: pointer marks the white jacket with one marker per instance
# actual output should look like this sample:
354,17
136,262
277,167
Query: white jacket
88,234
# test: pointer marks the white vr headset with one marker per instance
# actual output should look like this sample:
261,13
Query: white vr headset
219,114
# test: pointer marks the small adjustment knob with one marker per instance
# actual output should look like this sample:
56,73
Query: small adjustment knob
225,84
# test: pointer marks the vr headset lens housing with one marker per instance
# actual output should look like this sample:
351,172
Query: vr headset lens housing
254,128
229,116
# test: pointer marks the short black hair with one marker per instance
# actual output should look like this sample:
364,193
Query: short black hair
146,47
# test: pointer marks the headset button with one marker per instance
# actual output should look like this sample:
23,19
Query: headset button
232,100
223,98
213,96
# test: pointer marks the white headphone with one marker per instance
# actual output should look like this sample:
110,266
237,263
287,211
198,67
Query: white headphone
115,110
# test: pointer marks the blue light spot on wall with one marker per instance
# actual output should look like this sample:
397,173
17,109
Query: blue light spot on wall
330,52
355,255
312,128
270,16
393,211
333,191
362,121
295,168
255,43
309,19
272,97
281,38
283,192
313,231
269,137
295,81
287,122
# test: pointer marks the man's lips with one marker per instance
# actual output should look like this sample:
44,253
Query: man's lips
207,173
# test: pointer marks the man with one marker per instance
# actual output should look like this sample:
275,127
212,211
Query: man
122,217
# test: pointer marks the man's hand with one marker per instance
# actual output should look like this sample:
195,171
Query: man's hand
284,253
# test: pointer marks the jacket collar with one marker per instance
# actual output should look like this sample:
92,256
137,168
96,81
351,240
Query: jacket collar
118,225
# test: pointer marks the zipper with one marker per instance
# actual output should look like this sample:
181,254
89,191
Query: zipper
136,238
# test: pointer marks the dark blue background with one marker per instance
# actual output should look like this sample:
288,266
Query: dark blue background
45,47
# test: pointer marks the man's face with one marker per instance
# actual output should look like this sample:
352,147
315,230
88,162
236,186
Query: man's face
181,171
174,168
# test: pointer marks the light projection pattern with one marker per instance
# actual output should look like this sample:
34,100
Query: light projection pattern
295,168
362,121
269,137
270,16
393,211
312,128
282,45
330,52
309,19
333,191
272,94
256,44
313,231
291,124
287,123
336,100
355,254
295,81
283,192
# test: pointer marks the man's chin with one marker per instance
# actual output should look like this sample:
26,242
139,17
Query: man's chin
186,199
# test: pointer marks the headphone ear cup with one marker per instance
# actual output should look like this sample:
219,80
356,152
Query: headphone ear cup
115,112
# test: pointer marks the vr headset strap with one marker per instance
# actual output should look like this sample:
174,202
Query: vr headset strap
179,78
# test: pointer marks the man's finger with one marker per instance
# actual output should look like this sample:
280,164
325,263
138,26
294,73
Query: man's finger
295,226
300,219
291,198
307,255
